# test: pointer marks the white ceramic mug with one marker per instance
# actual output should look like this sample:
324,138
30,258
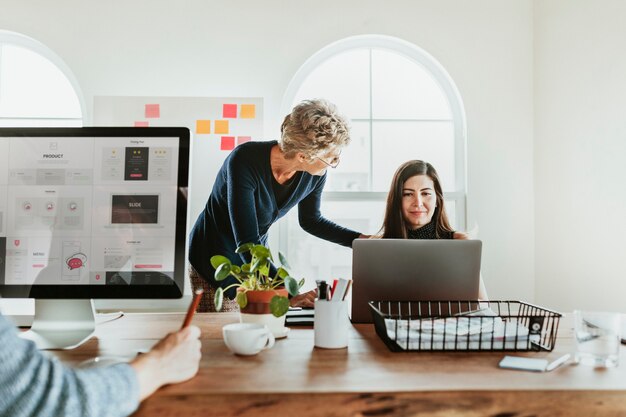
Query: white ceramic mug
247,338
331,324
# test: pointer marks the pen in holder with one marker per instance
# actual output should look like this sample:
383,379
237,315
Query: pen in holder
331,324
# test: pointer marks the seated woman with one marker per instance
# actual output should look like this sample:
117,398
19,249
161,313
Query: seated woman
416,209
415,205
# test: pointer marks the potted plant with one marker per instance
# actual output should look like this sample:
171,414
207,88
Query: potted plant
262,298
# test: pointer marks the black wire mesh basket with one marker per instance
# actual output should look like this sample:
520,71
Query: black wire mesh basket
464,325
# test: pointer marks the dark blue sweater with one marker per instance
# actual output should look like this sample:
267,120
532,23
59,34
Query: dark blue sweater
242,207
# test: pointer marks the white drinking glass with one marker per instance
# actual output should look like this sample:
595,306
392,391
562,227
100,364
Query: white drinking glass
597,338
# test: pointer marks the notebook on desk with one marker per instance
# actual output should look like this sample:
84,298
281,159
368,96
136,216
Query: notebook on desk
412,270
297,316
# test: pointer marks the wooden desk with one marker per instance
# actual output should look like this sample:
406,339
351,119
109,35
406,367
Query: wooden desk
293,378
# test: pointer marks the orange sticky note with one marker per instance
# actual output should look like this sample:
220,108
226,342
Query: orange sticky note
243,139
228,143
203,127
229,111
221,127
248,111
153,111
141,123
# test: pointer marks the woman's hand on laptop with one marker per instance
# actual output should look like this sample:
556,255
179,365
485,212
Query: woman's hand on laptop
460,235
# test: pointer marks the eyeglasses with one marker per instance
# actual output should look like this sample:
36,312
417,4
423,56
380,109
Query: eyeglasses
333,162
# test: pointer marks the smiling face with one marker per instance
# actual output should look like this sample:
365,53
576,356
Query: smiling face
418,201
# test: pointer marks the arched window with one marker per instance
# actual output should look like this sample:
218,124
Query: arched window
36,87
402,105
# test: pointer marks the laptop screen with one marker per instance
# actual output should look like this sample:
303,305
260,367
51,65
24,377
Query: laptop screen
413,270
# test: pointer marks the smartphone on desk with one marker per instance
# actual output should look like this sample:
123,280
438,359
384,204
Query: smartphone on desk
522,363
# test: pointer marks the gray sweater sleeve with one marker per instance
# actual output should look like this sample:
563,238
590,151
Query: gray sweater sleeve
33,384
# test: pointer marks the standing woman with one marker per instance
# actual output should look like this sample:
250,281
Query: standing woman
259,183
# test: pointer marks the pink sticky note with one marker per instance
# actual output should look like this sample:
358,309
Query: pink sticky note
229,111
243,139
141,123
228,143
153,111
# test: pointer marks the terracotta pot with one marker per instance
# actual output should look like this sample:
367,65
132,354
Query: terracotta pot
258,311
259,301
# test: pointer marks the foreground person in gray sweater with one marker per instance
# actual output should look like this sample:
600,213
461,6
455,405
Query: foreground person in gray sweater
33,384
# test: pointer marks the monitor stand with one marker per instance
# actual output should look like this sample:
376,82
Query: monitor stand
62,324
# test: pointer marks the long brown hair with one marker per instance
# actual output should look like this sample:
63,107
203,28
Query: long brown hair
394,225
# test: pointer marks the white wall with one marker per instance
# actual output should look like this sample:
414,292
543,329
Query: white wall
580,153
253,48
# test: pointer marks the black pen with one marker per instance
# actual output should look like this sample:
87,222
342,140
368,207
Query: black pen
322,289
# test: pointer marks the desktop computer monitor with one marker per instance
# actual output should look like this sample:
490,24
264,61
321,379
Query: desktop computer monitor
86,213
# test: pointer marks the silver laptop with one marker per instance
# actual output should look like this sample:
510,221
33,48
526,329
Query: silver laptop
412,270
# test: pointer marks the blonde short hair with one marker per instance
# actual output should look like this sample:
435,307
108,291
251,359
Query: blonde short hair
314,127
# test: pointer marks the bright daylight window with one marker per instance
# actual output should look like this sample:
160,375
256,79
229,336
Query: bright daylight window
36,87
402,105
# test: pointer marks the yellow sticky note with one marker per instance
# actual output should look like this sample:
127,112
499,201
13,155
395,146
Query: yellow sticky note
221,127
248,111
203,126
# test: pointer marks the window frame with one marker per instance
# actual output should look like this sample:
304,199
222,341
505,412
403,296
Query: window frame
440,76
20,40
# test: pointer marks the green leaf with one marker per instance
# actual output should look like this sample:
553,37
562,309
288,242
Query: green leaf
246,268
292,286
282,273
260,251
222,272
283,260
219,297
244,248
242,299
301,283
235,269
259,262
279,305
217,260
265,269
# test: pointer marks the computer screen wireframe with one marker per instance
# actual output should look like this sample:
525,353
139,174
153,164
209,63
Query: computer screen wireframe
94,212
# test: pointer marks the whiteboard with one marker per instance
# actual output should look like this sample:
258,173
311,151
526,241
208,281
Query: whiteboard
217,125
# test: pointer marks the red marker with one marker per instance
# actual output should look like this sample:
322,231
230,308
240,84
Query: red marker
332,289
192,307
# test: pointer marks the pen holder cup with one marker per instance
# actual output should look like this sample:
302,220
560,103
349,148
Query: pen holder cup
331,324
